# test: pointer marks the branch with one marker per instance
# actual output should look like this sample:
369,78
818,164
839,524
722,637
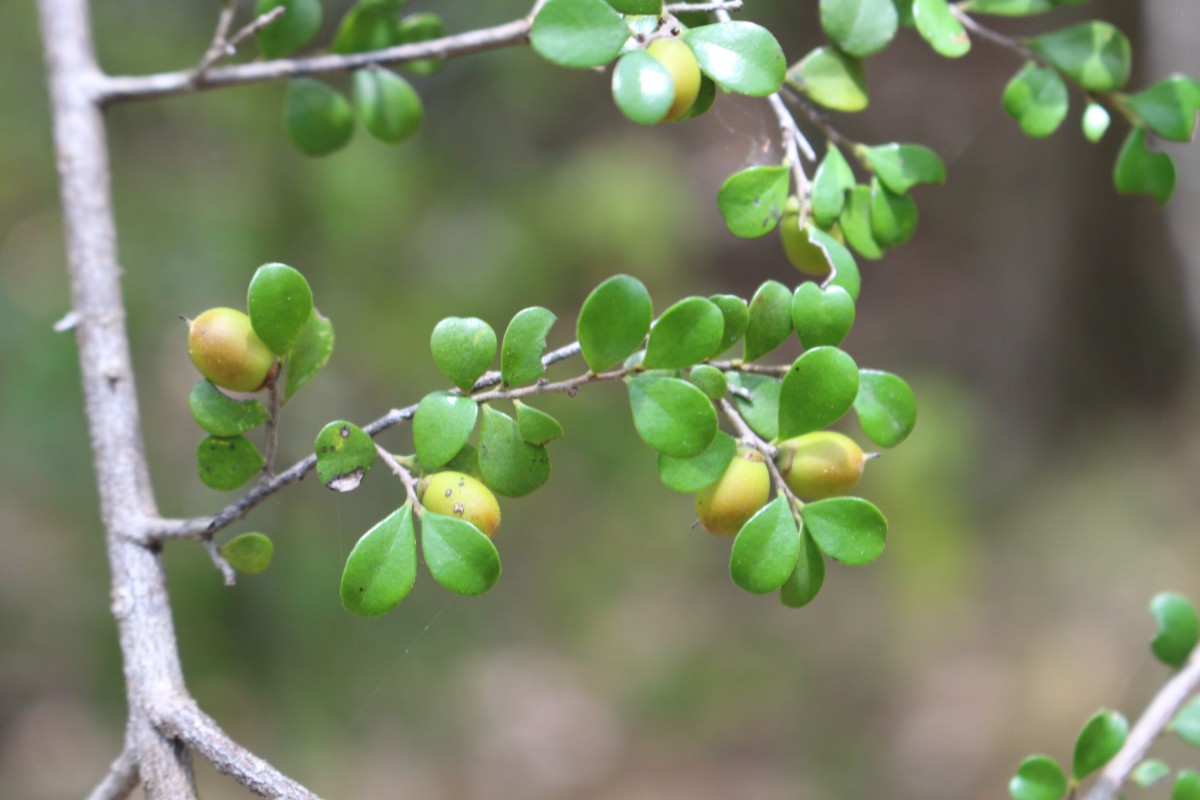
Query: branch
122,777
223,45
752,439
405,477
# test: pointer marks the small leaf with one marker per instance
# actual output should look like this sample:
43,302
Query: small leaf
309,354
248,553
821,316
761,411
524,344
845,270
710,380
510,465
805,582
1038,778
770,321
1149,772
301,21
893,216
280,303
848,529
751,201
1010,8
672,416
902,166
818,389
1095,54
463,348
1169,107
830,183
686,333
1102,736
1037,99
366,26
388,106
317,118
459,556
937,25
736,315
382,567
690,475
766,549
1095,122
227,462
886,407
642,88
1187,785
740,56
613,321
1178,628
422,27
1140,170
1186,723
578,33
859,27
220,414
832,79
441,426
855,223
345,454
536,427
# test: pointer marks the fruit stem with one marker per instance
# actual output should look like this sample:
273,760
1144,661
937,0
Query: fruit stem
274,404
752,439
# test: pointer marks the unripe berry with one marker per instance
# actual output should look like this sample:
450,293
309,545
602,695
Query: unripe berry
457,494
821,464
725,506
227,351
684,70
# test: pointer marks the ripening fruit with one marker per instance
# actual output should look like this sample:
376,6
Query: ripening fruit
725,506
227,351
821,464
807,257
684,70
457,494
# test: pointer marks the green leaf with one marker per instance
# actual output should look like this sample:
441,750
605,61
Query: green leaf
578,33
855,223
1186,723
1187,785
737,317
388,106
672,416
220,414
367,26
421,27
301,21
902,166
458,555
818,389
463,348
740,56
770,321
248,553
1178,628
766,549
227,462
893,216
937,25
1095,122
1038,778
280,303
317,118
465,461
690,475
751,201
1009,8
309,354
1095,54
686,333
821,316
832,79
848,529
761,411
441,426
805,582
536,427
886,407
1037,99
1140,170
382,567
642,88
845,270
510,465
1149,772
637,6
859,27
345,454
613,321
524,344
832,180
1102,736
710,380
1169,107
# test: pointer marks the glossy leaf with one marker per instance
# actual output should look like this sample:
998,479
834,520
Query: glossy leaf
578,33
902,166
751,201
280,303
1095,122
770,321
613,321
345,454
1187,785
1169,107
1038,778
886,407
690,475
301,21
536,427
818,389
1095,54
859,27
1037,99
248,553
761,411
637,6
1149,772
510,465
1178,628
1140,170
227,462
672,416
309,354
420,27
686,333
388,106
740,56
855,223
221,415
463,349
832,79
798,246
821,316
466,461
805,582
524,345
1102,736
766,549
845,269
366,26
710,380
737,317
441,426
937,25
893,216
848,529
317,118
1186,722
459,556
642,88
831,181
382,567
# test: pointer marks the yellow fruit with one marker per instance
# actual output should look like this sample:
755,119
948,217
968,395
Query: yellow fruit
821,464
457,494
227,351
807,257
684,70
725,506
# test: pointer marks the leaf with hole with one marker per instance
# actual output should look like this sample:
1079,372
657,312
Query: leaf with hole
459,556
280,303
309,354
751,201
301,21
821,316
536,426
886,407
1037,99
345,454
805,582
672,416
1038,778
382,567
578,33
510,465
766,549
1102,736
740,56
1095,54
770,321
524,345
225,463
221,415
1140,170
832,79
613,321
818,389
848,529
463,349
441,426
1178,628
690,475
859,27
686,333
248,553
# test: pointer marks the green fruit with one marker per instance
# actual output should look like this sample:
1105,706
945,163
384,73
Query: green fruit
806,256
227,351
684,70
456,494
725,506
821,464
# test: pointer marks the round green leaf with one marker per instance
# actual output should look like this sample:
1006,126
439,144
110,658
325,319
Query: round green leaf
690,475
345,454
248,553
523,346
740,56
686,333
831,181
832,79
752,200
818,389
382,567
672,416
463,348
770,321
227,462
310,353
761,411
300,22
367,26
1186,723
710,380
578,33
893,216
642,88
1149,772
805,582
766,549
1187,785
937,25
220,414
1169,107
848,529
421,27
821,316
458,554
736,315
613,321
1037,99
886,407
1102,736
859,27
317,118
1095,122
388,106
510,465
902,166
1178,628
1038,778
845,270
1140,170
1095,54
280,303
856,225
441,426
536,427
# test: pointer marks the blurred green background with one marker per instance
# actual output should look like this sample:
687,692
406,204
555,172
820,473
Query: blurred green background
1049,327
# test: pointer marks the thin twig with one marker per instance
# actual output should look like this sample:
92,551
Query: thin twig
996,37
406,477
274,406
777,370
122,777
216,48
768,451
219,561
821,121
